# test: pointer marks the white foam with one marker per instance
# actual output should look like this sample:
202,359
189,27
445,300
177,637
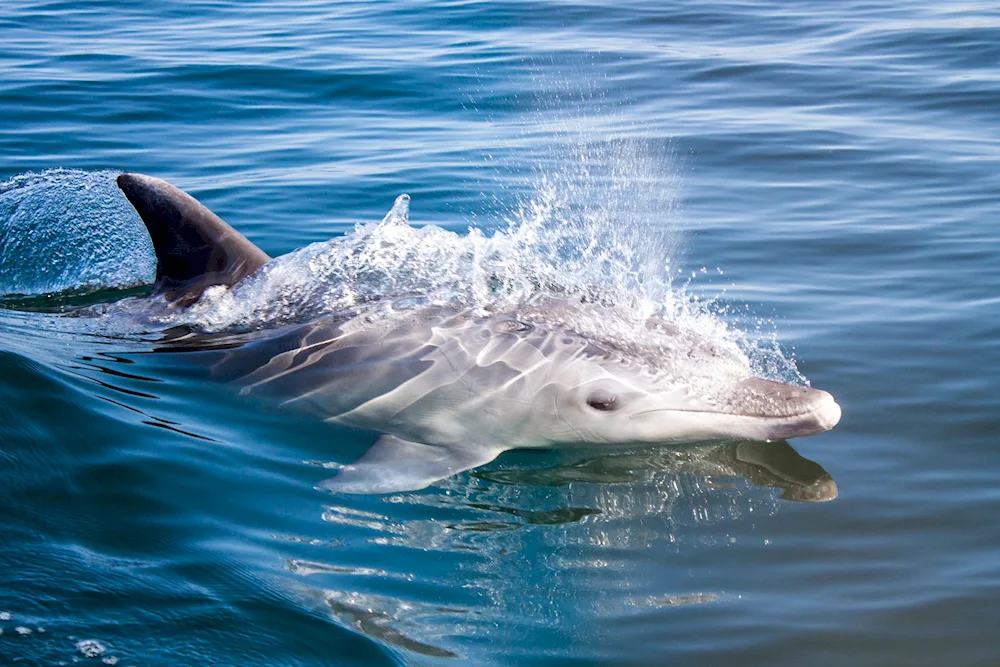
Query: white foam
91,648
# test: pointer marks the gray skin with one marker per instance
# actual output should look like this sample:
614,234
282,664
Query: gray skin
451,389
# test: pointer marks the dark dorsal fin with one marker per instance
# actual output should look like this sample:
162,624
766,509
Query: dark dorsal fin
195,248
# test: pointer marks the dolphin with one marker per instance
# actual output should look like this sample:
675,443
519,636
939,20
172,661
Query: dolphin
450,388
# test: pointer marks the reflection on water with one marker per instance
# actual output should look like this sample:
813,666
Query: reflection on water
558,546
364,614
774,464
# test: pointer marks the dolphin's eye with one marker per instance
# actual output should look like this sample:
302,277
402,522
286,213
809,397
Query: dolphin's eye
603,401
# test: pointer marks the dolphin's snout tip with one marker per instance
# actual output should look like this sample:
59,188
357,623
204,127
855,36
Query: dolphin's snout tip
823,414
788,411
828,413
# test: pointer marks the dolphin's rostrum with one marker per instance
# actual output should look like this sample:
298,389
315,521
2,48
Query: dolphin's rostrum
450,388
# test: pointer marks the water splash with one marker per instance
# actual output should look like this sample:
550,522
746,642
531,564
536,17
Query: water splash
69,230
584,234
581,262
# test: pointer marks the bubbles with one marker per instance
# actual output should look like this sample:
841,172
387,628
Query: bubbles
91,648
66,229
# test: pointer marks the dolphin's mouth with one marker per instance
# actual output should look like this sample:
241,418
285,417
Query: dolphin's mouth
766,410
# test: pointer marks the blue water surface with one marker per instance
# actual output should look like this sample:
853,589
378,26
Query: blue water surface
826,171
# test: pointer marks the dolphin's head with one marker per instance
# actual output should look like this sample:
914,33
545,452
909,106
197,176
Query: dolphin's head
706,393
621,408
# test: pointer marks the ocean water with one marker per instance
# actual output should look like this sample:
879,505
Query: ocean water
820,180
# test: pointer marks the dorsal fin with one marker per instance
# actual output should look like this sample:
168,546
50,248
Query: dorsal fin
195,248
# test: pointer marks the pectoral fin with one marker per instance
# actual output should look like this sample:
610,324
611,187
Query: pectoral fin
393,465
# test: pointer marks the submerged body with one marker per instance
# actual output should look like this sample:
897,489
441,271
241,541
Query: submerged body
451,388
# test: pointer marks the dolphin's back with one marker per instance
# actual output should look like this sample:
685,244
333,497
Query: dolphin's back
330,366
387,373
